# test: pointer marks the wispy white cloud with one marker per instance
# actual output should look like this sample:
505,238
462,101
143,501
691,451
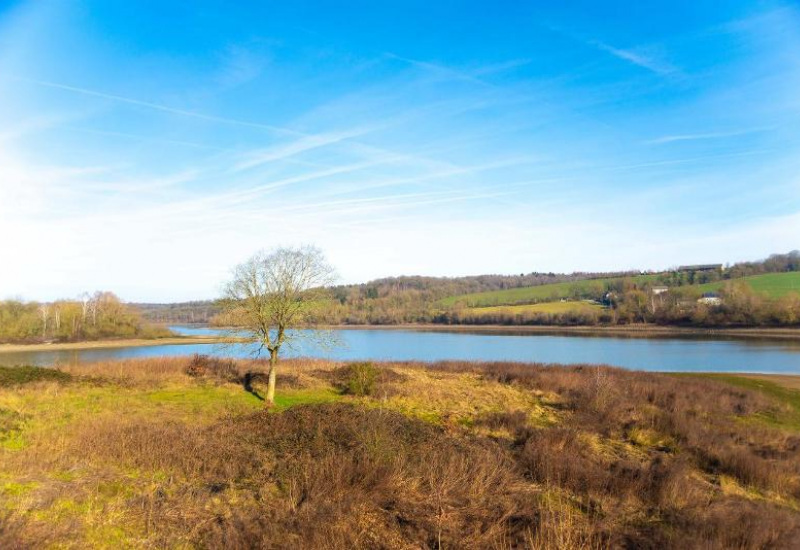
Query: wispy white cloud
649,57
639,57
478,155
501,67
302,145
34,124
440,70
702,136
252,191
154,106
150,139
239,65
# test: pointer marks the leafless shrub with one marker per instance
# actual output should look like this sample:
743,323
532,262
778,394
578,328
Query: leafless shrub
224,370
374,379
633,460
364,478
12,533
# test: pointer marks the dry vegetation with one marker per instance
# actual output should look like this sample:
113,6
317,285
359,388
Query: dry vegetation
178,453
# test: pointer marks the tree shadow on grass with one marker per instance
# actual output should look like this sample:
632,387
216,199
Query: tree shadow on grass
247,383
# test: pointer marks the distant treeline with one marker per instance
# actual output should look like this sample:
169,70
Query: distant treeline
391,300
441,287
201,311
413,299
776,263
399,300
90,317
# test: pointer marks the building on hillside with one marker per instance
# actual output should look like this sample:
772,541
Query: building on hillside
710,299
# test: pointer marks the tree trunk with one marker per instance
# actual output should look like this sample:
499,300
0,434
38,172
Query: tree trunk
273,363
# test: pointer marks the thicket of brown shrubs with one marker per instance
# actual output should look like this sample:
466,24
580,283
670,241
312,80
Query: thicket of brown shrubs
635,460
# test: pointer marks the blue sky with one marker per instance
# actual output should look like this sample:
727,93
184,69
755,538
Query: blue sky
147,147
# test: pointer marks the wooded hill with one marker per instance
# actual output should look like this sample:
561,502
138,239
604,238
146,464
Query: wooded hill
625,295
409,291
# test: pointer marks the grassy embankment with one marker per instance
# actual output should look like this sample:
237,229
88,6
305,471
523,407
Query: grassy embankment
163,453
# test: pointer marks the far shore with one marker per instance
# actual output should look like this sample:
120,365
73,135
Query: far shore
635,331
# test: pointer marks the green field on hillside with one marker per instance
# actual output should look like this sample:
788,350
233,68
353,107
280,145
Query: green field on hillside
773,285
545,307
533,294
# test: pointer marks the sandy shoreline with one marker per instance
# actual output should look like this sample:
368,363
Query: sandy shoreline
103,344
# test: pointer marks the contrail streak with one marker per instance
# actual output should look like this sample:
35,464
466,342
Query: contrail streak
156,106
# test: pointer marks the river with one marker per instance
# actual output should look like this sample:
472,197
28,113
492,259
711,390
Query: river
655,354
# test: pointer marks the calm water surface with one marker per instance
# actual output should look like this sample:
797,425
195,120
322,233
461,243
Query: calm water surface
682,355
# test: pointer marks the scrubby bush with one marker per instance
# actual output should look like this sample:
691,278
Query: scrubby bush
206,366
620,460
18,376
361,378
10,421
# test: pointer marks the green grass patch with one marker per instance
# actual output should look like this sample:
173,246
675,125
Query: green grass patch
33,413
542,293
774,285
788,417
210,399
285,399
19,376
202,397
16,489
546,307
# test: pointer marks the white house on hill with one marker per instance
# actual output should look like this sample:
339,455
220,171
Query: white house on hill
710,299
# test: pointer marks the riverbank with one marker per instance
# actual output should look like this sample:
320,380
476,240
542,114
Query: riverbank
463,454
631,331
110,344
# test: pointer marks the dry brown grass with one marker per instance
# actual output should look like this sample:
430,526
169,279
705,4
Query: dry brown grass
164,453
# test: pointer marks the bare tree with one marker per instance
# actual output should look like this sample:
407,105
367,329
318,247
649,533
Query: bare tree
85,298
44,313
94,306
274,292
